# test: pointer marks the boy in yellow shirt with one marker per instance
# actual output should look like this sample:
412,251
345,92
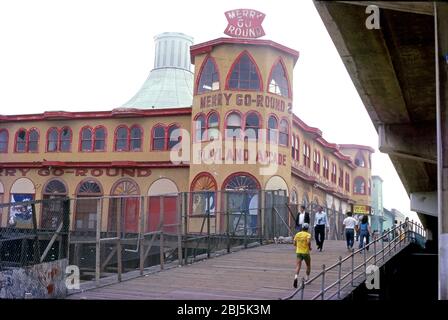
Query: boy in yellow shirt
302,243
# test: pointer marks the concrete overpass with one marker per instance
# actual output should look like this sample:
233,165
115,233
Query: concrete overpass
400,72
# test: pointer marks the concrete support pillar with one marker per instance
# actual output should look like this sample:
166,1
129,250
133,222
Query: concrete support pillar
441,52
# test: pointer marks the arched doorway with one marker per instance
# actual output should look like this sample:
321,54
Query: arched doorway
203,194
163,194
20,216
86,208
126,207
243,199
52,211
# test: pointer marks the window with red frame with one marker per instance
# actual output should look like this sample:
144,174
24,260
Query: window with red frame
65,139
278,83
136,138
326,168
52,140
86,139
213,126
159,138
100,139
333,172
21,137
252,125
272,130
200,128
347,182
316,159
209,78
283,133
128,139
233,125
121,139
244,75
306,155
4,137
33,140
341,177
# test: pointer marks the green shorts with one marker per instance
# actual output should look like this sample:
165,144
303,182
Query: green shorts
304,256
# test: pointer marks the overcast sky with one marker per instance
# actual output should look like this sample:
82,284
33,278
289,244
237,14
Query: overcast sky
94,55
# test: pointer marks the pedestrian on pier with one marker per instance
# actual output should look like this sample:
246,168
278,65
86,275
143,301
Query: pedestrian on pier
350,224
320,222
302,217
302,243
364,232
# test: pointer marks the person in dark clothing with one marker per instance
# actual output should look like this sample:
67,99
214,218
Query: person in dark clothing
302,217
364,232
320,222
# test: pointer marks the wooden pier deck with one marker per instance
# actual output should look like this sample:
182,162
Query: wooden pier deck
262,272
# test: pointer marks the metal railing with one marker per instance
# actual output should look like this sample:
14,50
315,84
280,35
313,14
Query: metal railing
397,238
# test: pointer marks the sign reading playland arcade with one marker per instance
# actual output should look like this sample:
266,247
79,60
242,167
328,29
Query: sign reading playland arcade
244,23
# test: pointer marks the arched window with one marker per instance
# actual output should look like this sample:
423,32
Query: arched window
209,77
278,82
242,199
65,143
359,160
4,137
158,138
174,136
86,139
272,129
52,209
252,125
200,127
203,190
136,138
233,125
20,216
85,215
52,140
21,141
359,186
33,140
284,133
213,126
100,139
127,208
306,155
244,74
121,139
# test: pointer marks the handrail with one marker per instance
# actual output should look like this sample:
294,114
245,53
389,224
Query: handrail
402,234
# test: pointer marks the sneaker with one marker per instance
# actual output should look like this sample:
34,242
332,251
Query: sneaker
307,278
295,283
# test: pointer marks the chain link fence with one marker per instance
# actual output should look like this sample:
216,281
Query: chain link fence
36,232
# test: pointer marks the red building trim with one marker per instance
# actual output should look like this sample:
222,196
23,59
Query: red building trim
207,47
47,140
91,164
226,116
239,173
357,146
116,113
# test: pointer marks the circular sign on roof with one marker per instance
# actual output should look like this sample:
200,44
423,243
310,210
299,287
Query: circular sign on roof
244,23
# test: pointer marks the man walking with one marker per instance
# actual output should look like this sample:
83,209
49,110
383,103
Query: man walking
302,243
350,224
302,217
320,222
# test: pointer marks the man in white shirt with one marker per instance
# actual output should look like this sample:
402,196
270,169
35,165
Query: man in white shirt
320,222
350,224
302,217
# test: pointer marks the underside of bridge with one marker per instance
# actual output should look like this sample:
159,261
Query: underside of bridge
403,85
